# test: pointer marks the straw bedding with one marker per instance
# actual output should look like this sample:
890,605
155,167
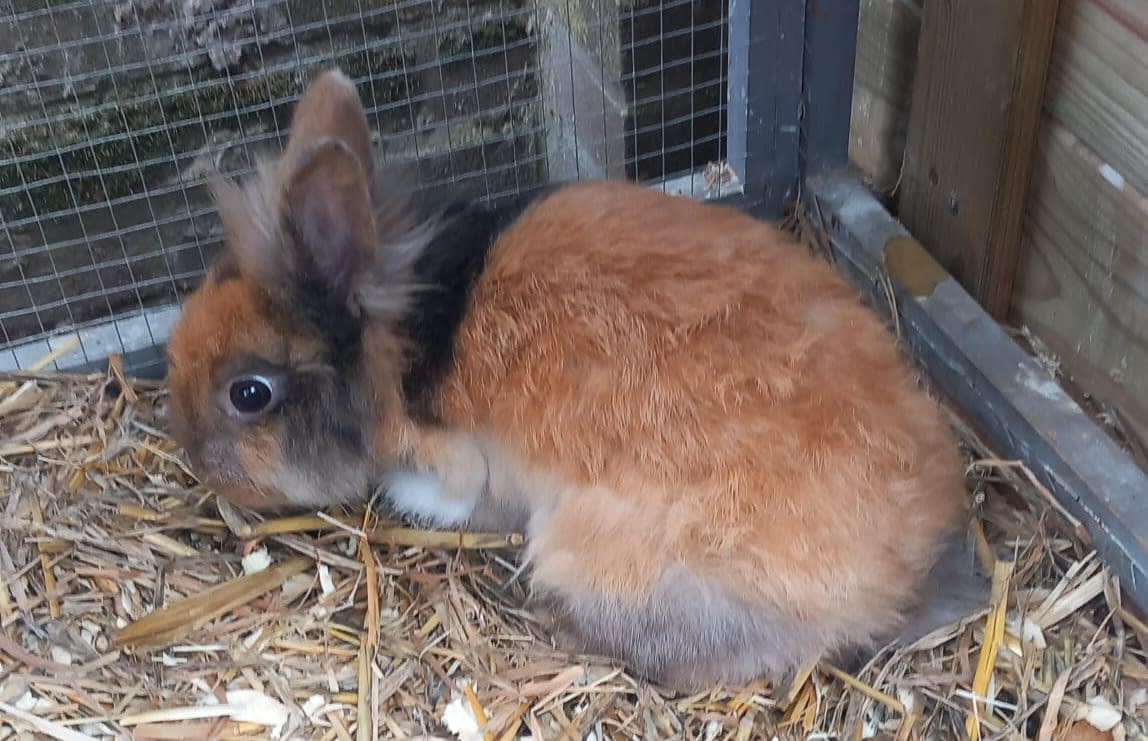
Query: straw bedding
135,605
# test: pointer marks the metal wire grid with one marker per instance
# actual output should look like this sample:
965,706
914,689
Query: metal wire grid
101,221
114,113
674,69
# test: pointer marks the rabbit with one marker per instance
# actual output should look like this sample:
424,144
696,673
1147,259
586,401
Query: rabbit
723,466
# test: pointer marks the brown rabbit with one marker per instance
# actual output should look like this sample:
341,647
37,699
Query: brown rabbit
722,464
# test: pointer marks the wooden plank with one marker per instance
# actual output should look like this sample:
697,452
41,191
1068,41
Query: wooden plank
1129,13
1083,281
579,74
1098,81
887,35
975,111
1023,412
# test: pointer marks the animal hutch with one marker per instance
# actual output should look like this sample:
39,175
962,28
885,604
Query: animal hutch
115,112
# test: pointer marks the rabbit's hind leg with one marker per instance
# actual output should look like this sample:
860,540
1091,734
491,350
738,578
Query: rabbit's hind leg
611,573
686,635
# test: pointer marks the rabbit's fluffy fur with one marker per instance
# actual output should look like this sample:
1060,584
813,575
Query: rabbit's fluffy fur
722,464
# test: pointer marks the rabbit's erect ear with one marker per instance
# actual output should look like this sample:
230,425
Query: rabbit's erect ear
330,109
306,226
328,219
326,211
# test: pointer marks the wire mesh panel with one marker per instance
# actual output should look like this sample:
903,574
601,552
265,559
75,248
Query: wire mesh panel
674,73
115,114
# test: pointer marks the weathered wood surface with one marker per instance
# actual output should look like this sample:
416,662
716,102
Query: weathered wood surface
976,108
1083,280
887,33
1098,81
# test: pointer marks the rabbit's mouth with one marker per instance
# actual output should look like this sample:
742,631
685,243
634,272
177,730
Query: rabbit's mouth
221,469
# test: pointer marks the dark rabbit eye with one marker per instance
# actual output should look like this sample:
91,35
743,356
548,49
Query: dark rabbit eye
251,395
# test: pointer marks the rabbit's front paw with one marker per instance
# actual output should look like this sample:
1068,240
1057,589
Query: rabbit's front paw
424,497
446,486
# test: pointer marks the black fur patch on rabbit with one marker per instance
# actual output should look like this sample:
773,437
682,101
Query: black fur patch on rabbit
322,417
445,273
223,269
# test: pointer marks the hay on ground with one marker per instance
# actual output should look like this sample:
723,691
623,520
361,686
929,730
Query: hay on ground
133,606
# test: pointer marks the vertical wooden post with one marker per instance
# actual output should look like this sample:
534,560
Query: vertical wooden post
580,72
972,136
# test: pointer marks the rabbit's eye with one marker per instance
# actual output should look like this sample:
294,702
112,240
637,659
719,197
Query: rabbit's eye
251,395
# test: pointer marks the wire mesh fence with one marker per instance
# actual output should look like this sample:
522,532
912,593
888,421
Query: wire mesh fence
116,112
674,69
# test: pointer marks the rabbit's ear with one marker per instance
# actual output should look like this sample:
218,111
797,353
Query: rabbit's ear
329,109
326,214
327,221
305,227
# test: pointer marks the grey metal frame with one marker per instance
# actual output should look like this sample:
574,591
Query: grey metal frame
790,95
